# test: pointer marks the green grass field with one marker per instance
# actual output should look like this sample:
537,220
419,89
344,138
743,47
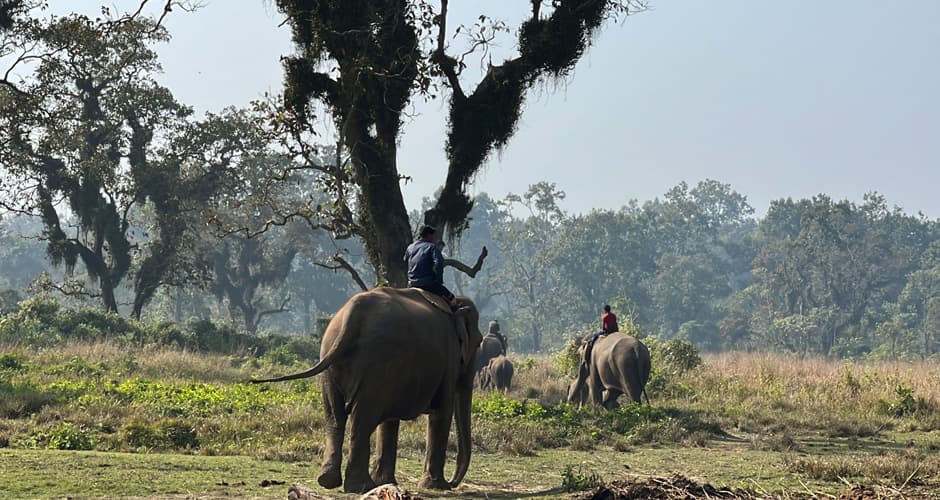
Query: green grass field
103,421
89,474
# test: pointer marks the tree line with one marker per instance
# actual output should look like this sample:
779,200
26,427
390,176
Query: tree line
813,276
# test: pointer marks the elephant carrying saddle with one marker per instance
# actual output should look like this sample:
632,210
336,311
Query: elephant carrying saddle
442,305
436,301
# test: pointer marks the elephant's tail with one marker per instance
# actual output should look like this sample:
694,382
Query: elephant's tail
318,368
345,322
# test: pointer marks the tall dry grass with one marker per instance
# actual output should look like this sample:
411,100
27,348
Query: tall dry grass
150,362
773,392
808,374
536,378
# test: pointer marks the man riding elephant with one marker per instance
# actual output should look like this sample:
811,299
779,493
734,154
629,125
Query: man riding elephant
492,345
493,329
426,265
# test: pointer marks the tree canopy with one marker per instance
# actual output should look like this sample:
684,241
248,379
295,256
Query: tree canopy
363,61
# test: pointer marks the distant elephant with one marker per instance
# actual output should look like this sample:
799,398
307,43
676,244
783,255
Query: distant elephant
497,374
390,355
616,364
492,345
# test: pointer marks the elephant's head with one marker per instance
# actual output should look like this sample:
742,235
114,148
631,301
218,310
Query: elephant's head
577,390
468,332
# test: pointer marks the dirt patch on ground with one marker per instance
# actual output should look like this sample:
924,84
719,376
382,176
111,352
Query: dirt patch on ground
673,488
682,488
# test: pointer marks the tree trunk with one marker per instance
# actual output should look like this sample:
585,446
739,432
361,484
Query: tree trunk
384,218
250,315
107,294
308,323
178,306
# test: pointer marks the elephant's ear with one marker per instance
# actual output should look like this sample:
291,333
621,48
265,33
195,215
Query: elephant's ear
463,337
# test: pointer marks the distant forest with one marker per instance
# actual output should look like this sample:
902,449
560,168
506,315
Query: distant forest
813,276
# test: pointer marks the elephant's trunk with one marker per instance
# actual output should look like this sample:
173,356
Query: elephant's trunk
462,415
573,392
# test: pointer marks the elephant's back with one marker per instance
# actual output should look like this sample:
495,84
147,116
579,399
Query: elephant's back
622,347
387,312
382,320
621,340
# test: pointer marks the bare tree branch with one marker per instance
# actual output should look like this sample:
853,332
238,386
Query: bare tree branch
342,263
282,308
469,271
446,63
184,5
69,288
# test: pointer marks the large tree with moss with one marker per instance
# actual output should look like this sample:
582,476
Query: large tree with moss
364,60
83,146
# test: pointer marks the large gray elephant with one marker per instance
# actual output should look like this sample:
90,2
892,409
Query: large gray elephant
497,374
390,355
616,364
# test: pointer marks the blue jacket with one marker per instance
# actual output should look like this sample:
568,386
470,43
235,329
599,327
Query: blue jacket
425,263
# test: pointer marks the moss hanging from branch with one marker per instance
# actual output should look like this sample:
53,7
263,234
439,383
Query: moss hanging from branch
485,120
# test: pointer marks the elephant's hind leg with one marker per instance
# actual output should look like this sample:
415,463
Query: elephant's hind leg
334,404
362,424
383,472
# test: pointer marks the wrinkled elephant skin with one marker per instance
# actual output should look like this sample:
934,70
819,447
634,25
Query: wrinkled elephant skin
390,355
616,364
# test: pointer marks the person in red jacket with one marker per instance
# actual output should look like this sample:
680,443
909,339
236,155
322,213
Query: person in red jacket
608,324
608,321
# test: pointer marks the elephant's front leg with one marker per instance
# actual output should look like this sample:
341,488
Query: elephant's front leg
610,399
383,472
438,431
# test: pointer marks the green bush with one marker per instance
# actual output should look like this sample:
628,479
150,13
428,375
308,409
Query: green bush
675,356
94,325
904,404
11,362
164,435
572,480
497,406
42,322
294,351
18,401
626,418
566,360
65,436
80,367
33,323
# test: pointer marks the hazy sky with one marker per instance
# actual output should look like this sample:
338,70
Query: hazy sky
777,98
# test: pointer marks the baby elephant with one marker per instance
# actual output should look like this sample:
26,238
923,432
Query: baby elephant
497,374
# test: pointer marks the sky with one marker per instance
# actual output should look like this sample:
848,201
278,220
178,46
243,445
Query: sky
777,98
